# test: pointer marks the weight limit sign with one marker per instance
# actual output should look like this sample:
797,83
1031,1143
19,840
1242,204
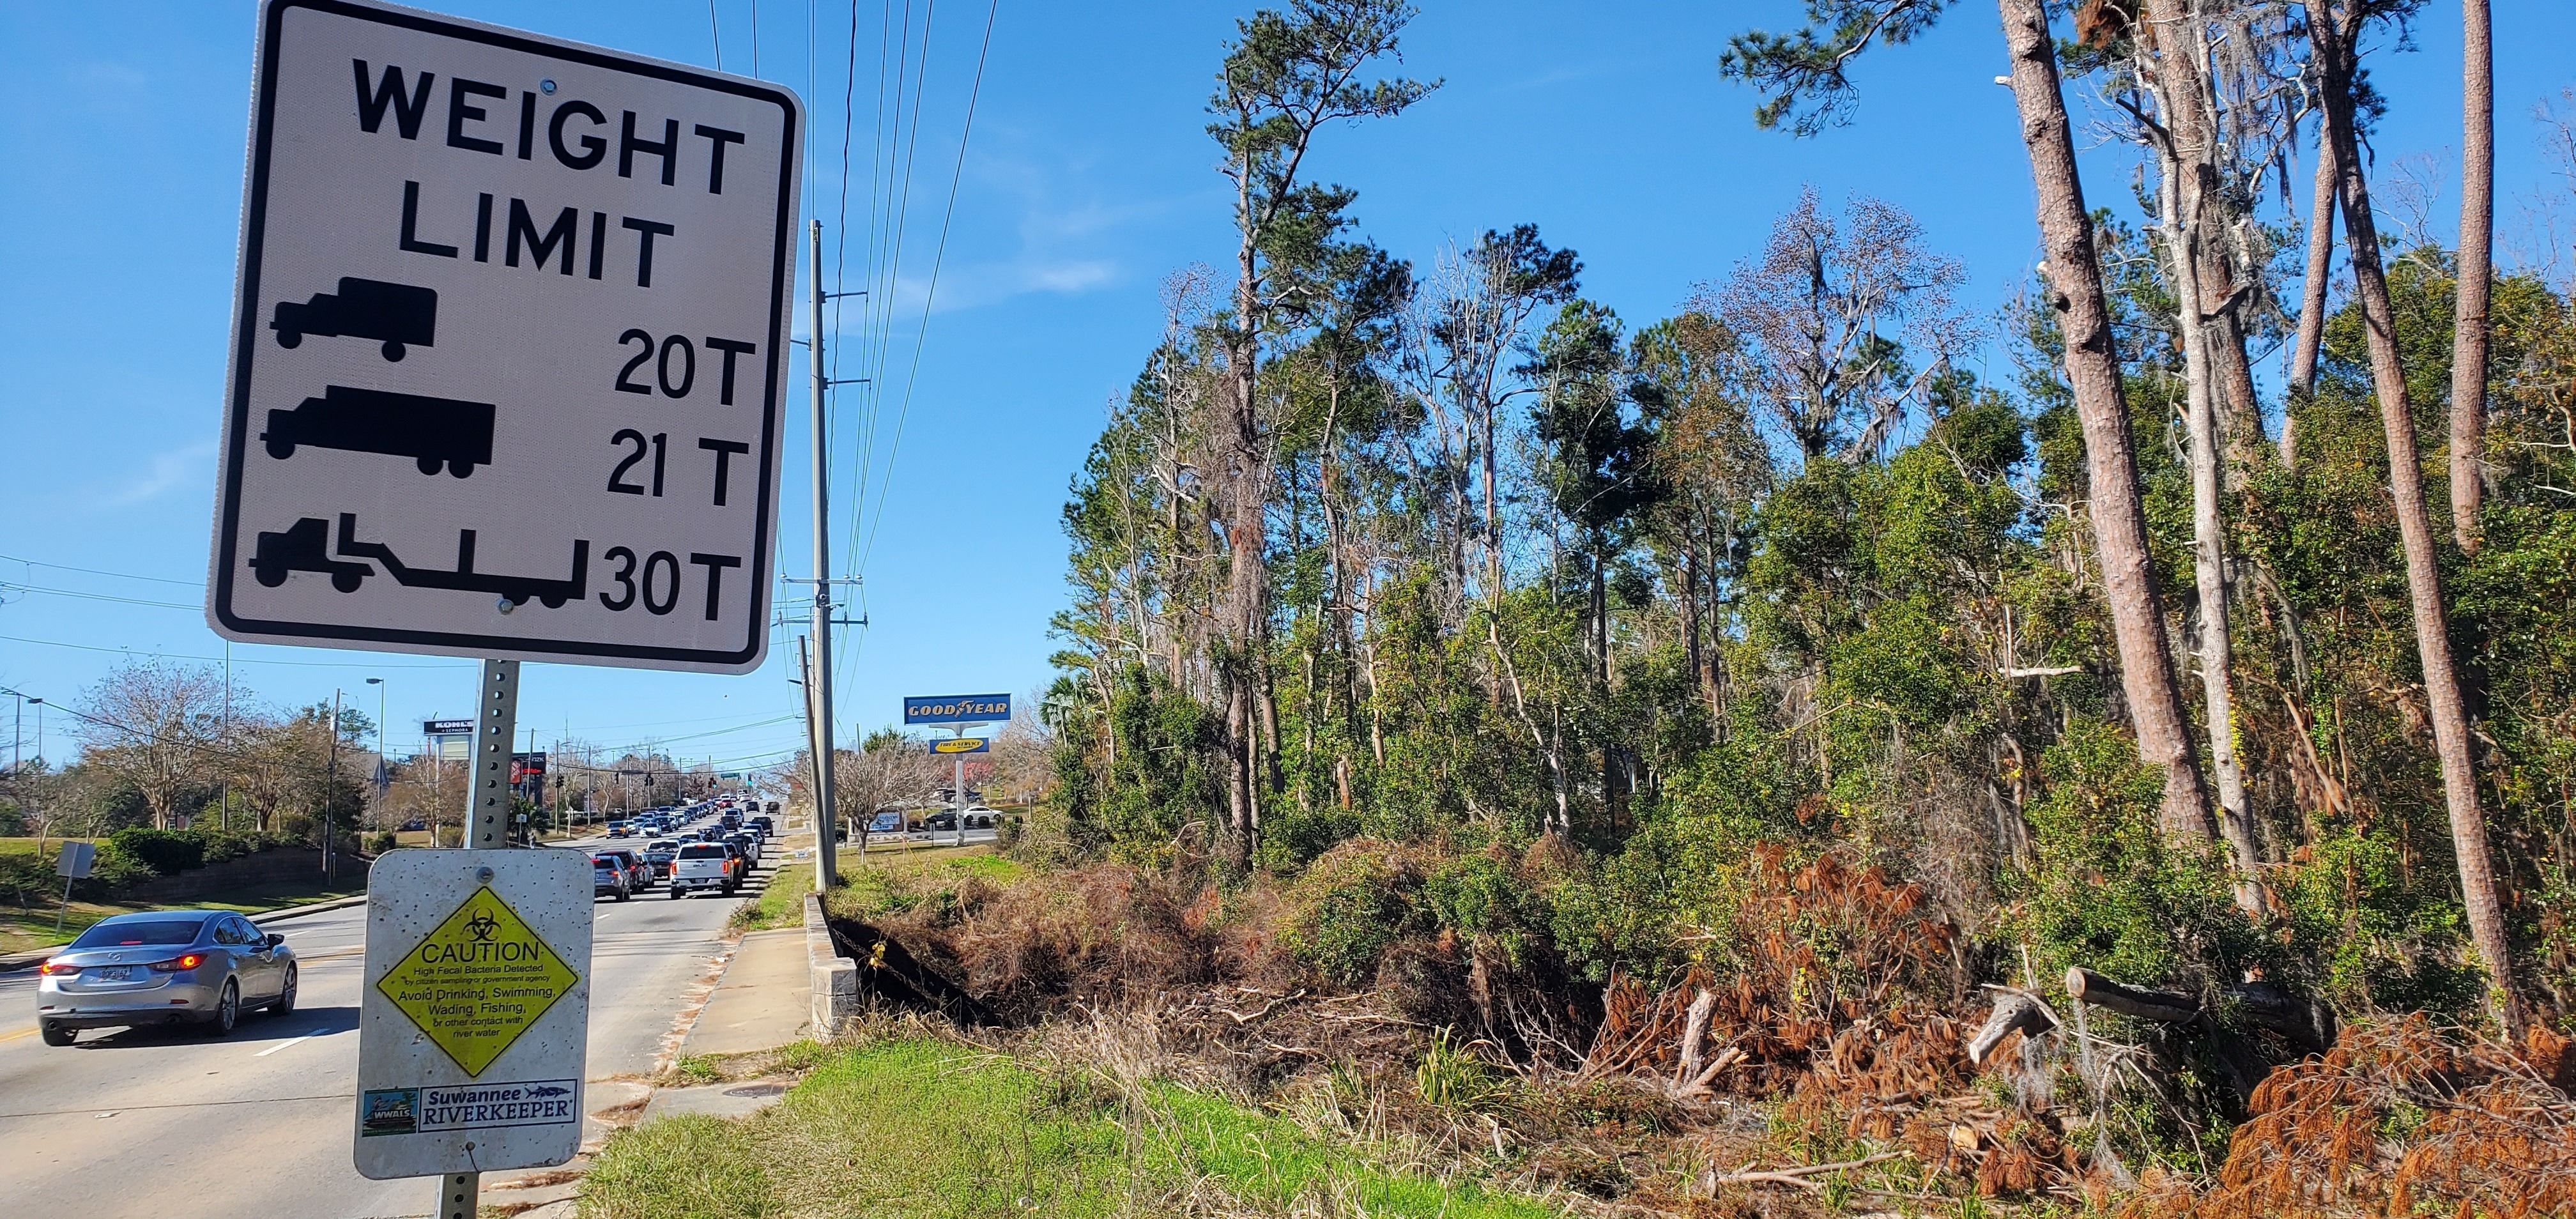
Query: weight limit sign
508,347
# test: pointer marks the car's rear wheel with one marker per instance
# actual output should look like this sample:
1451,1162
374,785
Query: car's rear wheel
675,893
227,1011
428,465
460,467
285,998
56,1034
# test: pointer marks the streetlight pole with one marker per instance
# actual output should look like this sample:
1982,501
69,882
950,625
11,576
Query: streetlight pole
330,783
383,776
224,812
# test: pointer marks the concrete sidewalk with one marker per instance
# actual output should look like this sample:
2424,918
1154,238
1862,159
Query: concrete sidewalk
761,1003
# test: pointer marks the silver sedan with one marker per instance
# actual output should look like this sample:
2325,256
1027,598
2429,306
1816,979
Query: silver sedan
165,967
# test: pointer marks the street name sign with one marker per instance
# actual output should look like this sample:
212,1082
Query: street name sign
473,1023
957,709
508,347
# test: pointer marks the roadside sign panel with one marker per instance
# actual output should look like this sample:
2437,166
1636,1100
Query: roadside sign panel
508,347
957,709
75,860
447,727
962,744
472,1026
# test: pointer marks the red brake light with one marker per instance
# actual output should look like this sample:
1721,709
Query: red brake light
175,964
51,970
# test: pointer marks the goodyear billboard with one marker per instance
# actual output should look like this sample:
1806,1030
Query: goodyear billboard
957,709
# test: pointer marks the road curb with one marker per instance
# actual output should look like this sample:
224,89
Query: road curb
337,903
833,978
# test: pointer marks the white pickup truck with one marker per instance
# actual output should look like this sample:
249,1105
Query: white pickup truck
701,865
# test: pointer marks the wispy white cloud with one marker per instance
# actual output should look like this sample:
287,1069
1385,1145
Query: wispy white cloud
163,473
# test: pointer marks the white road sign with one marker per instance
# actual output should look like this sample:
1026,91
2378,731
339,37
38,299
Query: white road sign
508,347
475,1015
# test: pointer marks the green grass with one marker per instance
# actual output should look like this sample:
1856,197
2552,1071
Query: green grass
865,888
871,891
915,1127
32,928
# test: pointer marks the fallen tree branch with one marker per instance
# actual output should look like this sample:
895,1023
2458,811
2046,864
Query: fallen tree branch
2016,1011
1792,1176
2164,1007
1266,1009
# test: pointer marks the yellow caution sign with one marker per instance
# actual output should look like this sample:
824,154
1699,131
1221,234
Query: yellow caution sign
478,981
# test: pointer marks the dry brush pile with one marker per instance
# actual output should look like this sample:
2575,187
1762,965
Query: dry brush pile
1816,1053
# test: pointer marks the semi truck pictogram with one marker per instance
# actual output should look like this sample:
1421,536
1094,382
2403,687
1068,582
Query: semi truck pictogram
431,431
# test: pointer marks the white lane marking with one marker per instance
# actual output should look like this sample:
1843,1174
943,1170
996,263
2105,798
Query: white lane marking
307,1037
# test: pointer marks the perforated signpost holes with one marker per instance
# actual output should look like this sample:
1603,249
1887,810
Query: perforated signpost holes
508,354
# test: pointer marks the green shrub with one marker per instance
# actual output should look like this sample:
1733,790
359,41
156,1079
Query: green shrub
1481,898
382,841
221,845
2109,892
113,869
27,878
1353,902
166,852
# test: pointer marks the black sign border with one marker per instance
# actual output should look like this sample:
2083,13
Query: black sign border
246,331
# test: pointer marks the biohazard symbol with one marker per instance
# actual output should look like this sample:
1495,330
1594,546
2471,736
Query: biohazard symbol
482,925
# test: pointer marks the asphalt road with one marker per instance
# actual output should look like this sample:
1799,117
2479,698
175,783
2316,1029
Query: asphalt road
157,1123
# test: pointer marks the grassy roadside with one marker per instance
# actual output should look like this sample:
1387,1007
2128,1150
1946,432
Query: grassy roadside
33,928
863,887
911,1126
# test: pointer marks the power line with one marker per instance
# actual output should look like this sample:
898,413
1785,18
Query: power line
939,256
65,592
239,660
92,571
715,34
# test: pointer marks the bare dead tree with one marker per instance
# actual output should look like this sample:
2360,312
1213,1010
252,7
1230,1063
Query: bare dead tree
1830,318
157,726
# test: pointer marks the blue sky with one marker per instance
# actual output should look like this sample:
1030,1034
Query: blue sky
1087,179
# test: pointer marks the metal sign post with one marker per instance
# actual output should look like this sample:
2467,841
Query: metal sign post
72,864
473,1024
